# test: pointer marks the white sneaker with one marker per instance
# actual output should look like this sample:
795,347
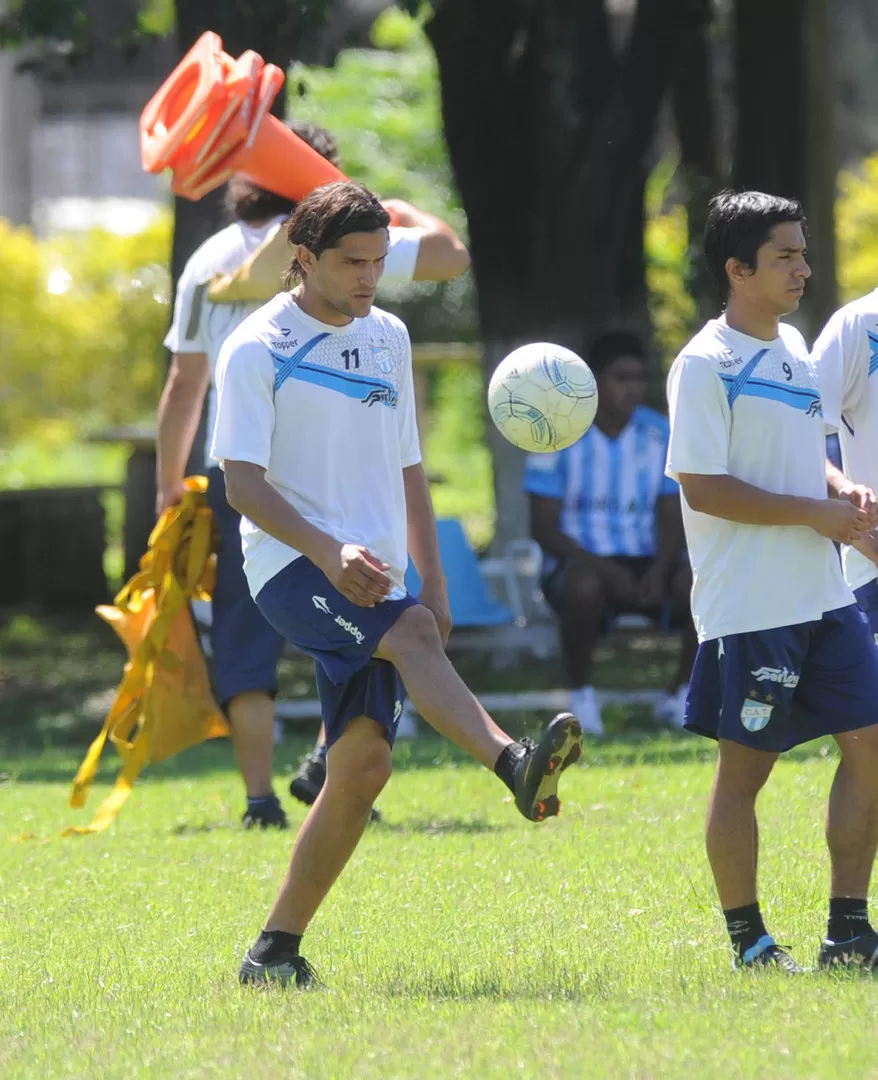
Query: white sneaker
584,706
671,710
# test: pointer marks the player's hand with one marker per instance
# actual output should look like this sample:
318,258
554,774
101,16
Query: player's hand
434,597
862,497
839,520
359,576
867,545
169,496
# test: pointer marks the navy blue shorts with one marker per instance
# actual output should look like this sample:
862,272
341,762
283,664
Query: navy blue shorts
302,604
774,689
867,599
245,647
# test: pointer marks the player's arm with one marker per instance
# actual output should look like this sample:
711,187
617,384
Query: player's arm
669,529
698,459
179,414
442,255
840,486
545,528
423,545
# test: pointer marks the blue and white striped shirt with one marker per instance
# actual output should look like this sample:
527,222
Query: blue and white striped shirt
608,487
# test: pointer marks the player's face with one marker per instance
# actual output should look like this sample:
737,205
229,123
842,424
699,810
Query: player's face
347,276
781,269
622,387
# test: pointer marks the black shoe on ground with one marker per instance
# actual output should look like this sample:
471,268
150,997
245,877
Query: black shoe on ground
859,952
538,769
267,815
769,954
308,782
295,970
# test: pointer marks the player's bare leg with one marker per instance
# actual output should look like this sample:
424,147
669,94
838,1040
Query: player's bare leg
251,718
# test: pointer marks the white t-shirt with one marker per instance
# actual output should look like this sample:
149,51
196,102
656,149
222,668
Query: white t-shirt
751,409
200,326
329,413
846,356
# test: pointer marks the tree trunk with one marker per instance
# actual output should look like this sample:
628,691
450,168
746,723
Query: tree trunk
548,132
785,139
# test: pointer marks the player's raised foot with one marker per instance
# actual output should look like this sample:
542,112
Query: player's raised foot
539,768
293,970
308,782
265,813
860,952
766,953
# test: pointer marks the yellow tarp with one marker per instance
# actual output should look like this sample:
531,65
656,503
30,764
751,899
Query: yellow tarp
163,704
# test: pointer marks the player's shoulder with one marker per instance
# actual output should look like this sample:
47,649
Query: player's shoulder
213,255
853,317
381,321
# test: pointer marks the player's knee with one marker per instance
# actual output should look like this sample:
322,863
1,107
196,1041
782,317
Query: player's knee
414,630
362,779
581,592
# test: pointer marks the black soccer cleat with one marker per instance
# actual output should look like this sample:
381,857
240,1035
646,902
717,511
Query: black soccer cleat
269,815
767,953
308,782
539,768
294,969
858,952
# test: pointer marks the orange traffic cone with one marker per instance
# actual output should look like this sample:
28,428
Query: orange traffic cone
210,119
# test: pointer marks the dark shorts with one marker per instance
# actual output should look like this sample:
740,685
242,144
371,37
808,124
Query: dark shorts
774,689
246,648
302,604
867,600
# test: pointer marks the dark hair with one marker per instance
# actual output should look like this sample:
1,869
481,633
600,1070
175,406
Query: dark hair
739,223
246,201
328,214
608,347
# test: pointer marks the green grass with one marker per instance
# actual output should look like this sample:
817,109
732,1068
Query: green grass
460,942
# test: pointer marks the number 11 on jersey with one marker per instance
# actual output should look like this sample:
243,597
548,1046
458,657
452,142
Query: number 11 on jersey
351,358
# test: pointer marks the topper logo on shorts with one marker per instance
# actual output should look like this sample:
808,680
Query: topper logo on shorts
320,603
789,679
755,715
354,631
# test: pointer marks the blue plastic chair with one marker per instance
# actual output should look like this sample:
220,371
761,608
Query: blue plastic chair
470,599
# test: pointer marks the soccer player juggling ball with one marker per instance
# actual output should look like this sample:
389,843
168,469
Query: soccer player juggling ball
785,655
321,456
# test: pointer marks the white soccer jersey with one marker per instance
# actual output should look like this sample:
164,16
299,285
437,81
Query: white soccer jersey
329,413
846,356
200,326
751,409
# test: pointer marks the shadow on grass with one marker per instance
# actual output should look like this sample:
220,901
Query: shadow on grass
494,984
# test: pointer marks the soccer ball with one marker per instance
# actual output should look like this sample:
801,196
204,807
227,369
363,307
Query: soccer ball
542,397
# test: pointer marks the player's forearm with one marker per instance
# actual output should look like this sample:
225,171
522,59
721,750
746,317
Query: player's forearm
837,483
252,496
669,526
423,543
179,414
732,499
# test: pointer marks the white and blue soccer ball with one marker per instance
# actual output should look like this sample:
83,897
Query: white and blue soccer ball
542,397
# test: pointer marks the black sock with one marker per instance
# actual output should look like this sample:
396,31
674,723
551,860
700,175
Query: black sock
274,945
504,766
848,918
745,927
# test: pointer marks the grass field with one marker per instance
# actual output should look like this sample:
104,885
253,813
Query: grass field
461,942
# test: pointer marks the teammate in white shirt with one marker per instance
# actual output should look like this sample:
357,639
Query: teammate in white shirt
785,654
320,449
846,357
245,647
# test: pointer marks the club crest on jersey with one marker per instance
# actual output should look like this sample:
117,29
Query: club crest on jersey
383,358
755,715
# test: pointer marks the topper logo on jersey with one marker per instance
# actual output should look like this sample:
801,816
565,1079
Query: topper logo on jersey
287,343
788,679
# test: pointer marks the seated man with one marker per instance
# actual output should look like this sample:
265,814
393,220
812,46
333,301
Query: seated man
609,524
